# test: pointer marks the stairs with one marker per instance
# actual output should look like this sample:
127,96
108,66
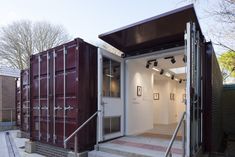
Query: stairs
136,146
50,151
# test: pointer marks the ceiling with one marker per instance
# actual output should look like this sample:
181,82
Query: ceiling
164,64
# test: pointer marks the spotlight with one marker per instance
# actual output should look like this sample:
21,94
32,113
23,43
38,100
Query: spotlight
168,74
155,63
155,69
172,77
180,81
161,72
184,59
173,60
147,65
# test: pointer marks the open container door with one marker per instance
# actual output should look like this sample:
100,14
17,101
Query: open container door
193,90
111,97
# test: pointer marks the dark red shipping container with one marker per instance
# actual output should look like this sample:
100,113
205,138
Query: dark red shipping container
25,101
18,105
64,94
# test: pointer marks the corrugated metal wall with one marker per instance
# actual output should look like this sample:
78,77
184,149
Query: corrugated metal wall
228,101
25,103
63,94
212,107
216,108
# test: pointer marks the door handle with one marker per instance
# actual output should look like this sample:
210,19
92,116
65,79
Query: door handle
103,103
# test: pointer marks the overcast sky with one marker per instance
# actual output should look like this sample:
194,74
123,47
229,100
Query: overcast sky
89,18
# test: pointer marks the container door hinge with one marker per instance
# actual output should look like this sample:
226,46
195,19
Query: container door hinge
48,136
39,58
54,136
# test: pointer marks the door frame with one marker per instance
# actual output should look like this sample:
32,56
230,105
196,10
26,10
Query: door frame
100,135
194,86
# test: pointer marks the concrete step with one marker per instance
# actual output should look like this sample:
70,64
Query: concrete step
50,151
136,147
95,153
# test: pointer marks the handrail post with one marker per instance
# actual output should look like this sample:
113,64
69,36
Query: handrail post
76,131
76,144
97,130
168,151
183,137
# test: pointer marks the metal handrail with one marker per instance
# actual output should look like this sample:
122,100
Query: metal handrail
174,136
79,128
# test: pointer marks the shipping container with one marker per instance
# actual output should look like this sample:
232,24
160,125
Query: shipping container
18,105
63,94
66,81
25,102
212,106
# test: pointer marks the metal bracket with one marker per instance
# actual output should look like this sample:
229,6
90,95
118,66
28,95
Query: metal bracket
68,108
44,108
36,108
54,136
58,108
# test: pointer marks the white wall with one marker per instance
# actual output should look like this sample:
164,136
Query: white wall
167,111
139,109
143,112
180,106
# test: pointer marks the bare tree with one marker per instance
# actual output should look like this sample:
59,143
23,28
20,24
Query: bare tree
21,39
225,17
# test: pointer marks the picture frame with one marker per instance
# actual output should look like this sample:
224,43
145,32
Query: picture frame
172,96
155,96
139,91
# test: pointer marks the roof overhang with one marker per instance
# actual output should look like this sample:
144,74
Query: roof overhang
156,33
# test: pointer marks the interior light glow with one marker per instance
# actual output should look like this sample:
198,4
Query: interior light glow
156,69
179,70
176,79
109,75
168,74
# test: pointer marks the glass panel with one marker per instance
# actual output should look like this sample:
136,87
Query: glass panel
112,125
111,78
106,125
115,124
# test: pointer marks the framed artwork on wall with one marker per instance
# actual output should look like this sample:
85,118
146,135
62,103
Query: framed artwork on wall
155,96
139,90
172,96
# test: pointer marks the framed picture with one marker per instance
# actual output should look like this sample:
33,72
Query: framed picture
139,90
172,96
155,96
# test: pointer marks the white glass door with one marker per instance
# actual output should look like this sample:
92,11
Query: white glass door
111,102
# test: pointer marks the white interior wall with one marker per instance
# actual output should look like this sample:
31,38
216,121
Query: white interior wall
142,112
180,106
168,111
139,109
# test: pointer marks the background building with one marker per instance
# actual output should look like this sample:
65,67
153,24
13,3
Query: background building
8,78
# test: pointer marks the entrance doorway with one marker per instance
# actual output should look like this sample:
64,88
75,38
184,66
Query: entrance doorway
111,98
158,108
